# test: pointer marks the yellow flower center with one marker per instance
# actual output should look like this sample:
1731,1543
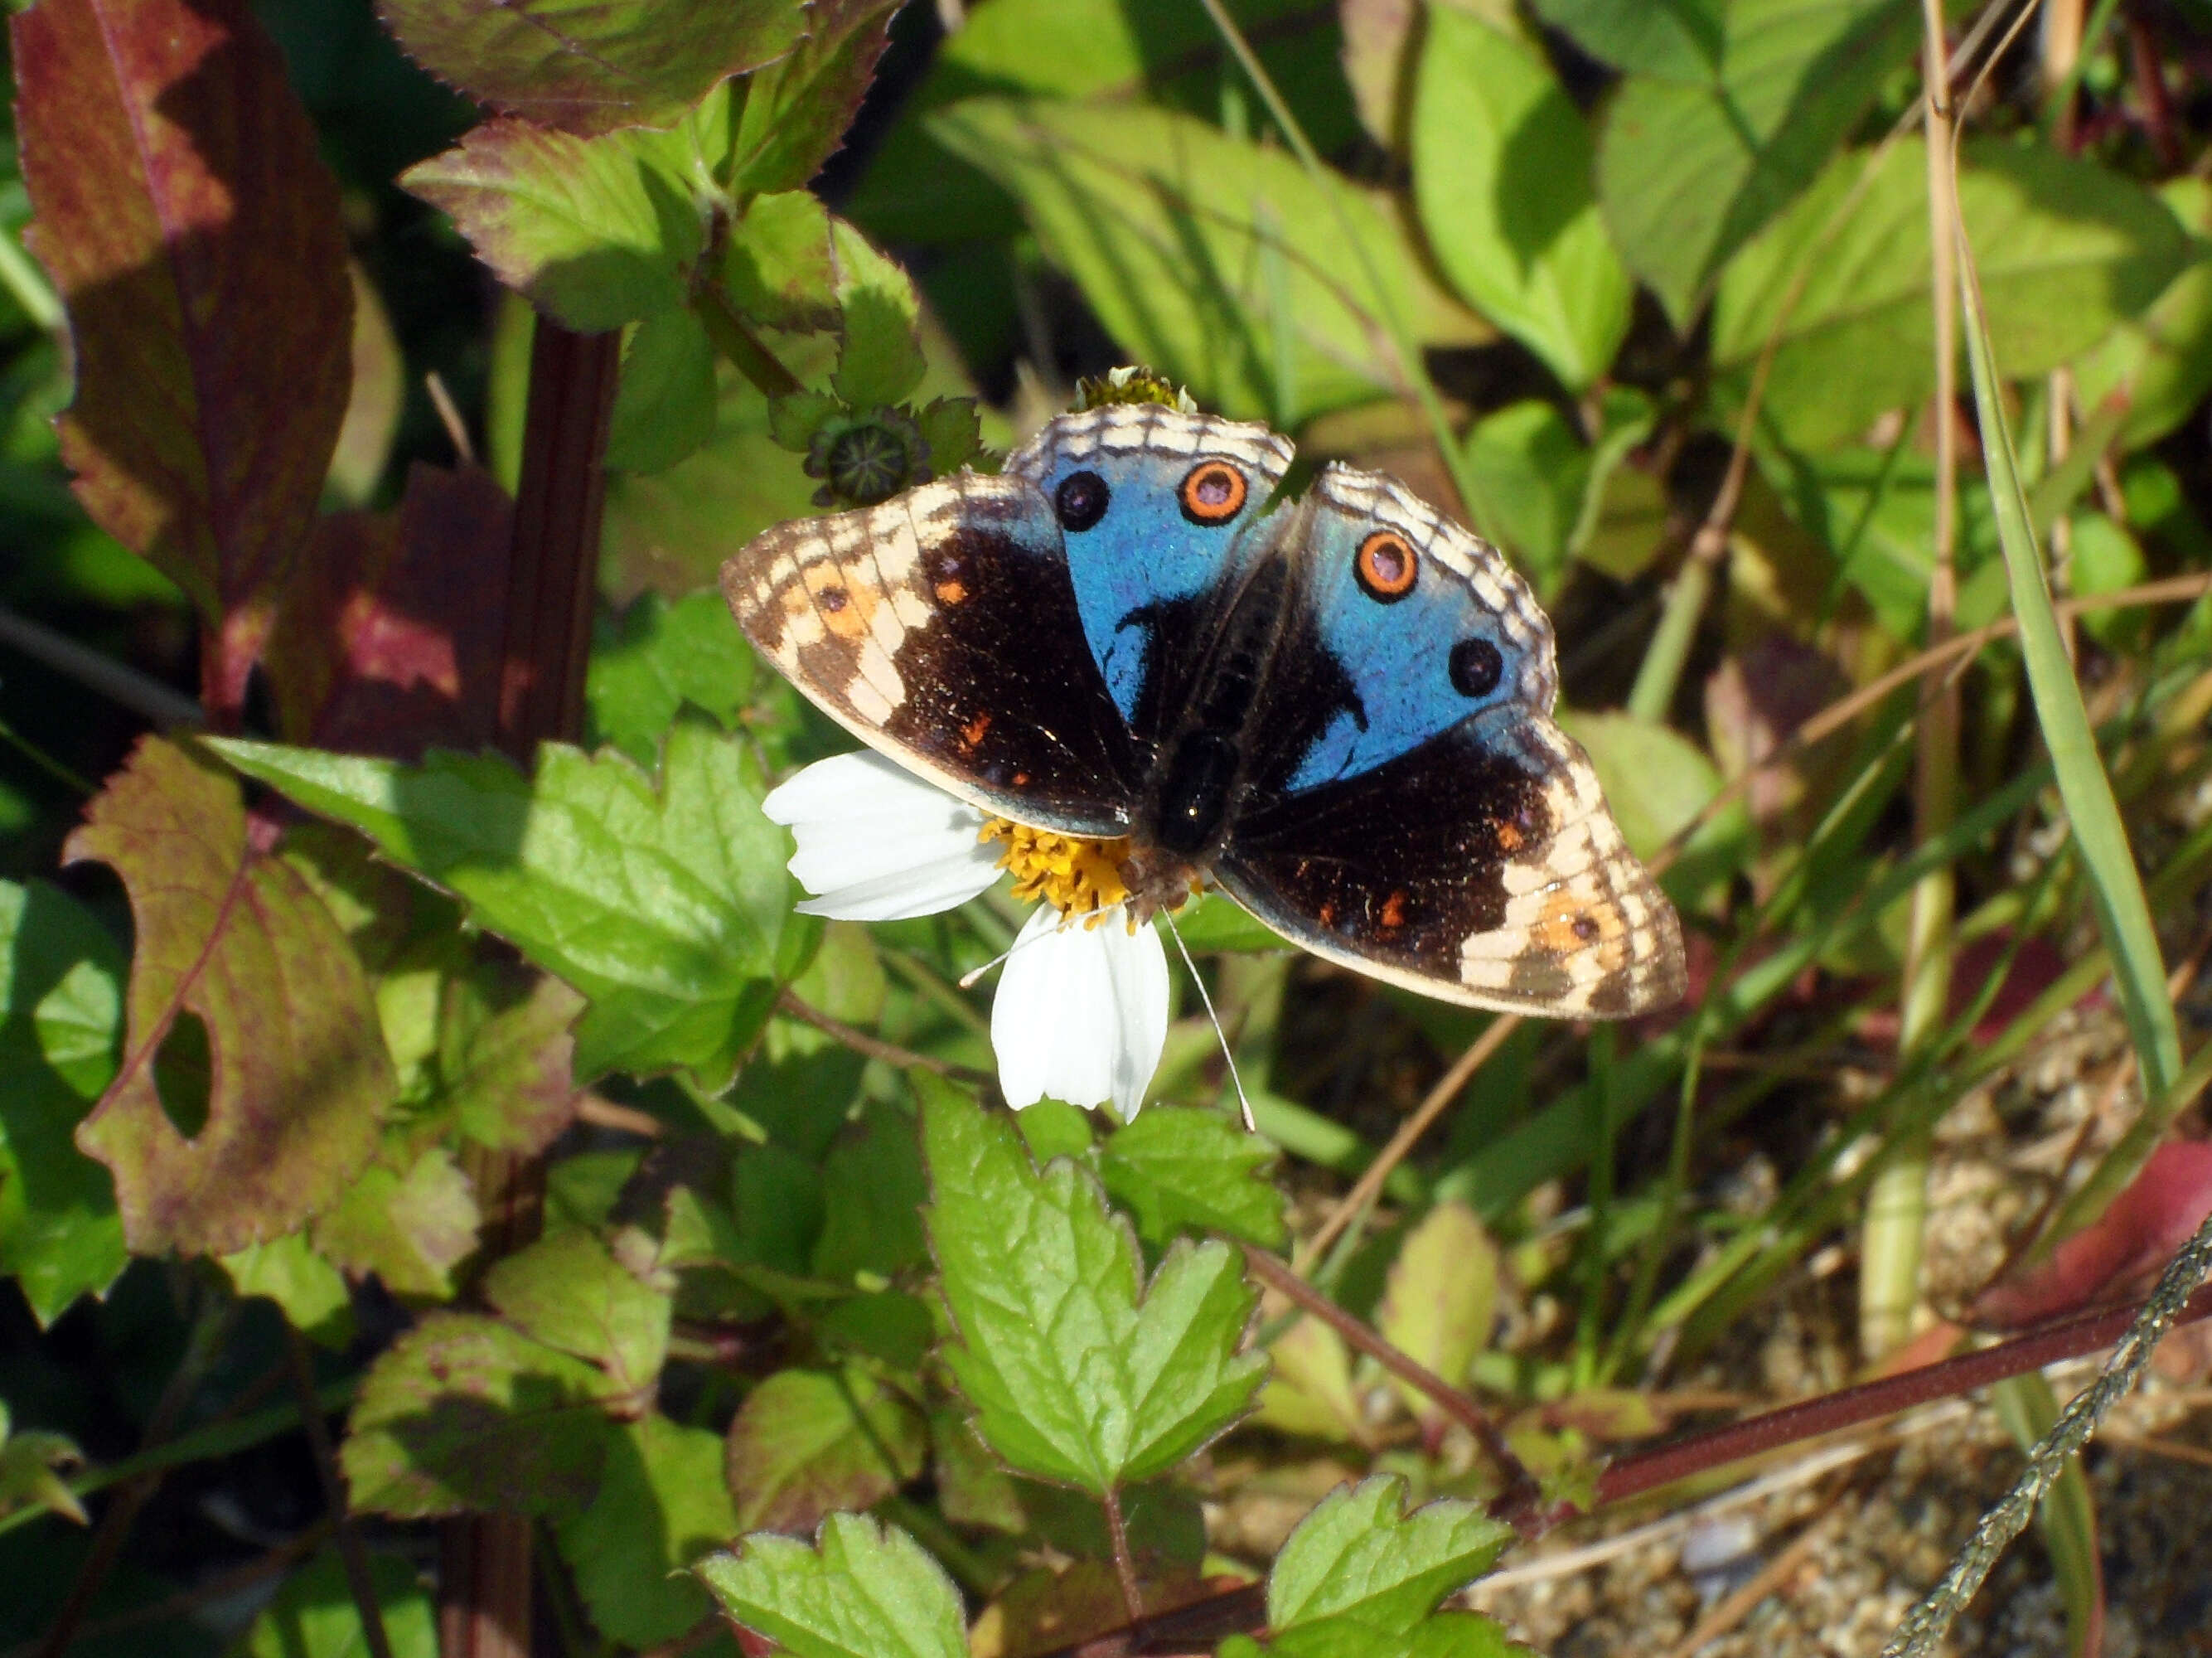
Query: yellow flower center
1076,876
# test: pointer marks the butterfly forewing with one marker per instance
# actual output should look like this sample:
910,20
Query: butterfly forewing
941,628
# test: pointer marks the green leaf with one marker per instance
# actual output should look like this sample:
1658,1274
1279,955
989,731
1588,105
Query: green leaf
593,67
2160,362
866,1590
1360,1558
568,1292
656,656
466,1413
1688,171
504,1058
1213,921
669,907
61,1027
289,1271
29,1465
1535,474
780,261
1310,1389
411,1226
595,232
807,1443
664,405
1072,1376
314,1616
1219,262
2066,248
1105,53
1502,164
792,114
1673,39
953,430
661,1505
872,1190
1440,1300
1658,781
238,968
2122,910
1177,1168
1876,513
186,217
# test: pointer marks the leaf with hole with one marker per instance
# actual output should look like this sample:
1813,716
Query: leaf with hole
255,1073
665,901
1077,1371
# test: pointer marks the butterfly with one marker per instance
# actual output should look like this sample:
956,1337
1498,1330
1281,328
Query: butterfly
1336,709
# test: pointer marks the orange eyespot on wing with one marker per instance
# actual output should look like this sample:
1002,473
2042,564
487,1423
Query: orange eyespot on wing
1386,565
1214,493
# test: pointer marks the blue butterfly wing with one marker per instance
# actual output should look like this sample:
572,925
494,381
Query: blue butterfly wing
1151,574
1415,813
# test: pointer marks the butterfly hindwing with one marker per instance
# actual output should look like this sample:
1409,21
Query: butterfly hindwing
941,628
1481,867
1159,509
1422,623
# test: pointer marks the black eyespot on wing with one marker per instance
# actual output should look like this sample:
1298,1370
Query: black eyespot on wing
1476,667
1080,500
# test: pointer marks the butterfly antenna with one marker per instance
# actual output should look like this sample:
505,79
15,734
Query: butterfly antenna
968,980
1236,1082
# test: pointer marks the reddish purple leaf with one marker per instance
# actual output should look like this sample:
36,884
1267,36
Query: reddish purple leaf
297,1080
389,640
2136,1236
589,66
185,214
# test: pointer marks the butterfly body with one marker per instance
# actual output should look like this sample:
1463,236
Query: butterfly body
1337,709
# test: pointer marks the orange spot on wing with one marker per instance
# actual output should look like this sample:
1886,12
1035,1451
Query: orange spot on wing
1509,838
973,733
951,592
1394,909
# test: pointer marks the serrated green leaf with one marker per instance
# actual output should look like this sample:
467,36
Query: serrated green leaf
505,1069
793,113
290,1271
879,363
664,404
466,1413
1053,1128
661,1506
314,1614
1073,1378
595,232
61,1027
657,656
1219,262
669,907
1439,1299
567,1291
1178,1168
779,264
2066,248
807,1443
1359,1557
1688,171
592,68
1502,162
866,1590
954,432
411,1226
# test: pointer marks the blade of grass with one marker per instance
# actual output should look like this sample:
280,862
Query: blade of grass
2138,971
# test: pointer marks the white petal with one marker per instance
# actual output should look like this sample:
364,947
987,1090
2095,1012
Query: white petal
1081,1013
876,844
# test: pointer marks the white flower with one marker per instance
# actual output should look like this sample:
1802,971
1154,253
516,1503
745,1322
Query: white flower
1082,1007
